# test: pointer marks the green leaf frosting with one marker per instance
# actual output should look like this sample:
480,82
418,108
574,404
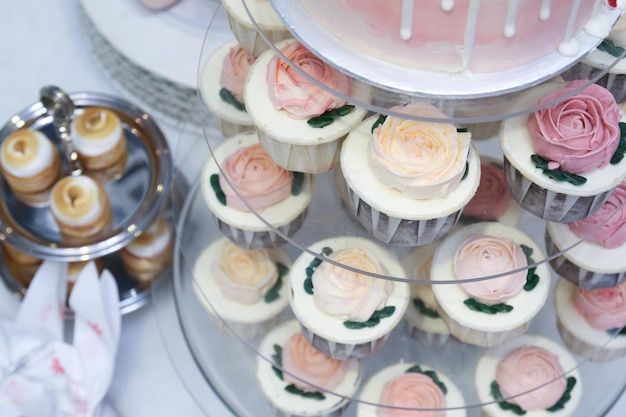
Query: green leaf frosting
567,395
313,395
381,119
329,116
507,406
610,48
557,174
373,321
229,98
532,279
472,304
432,374
274,292
424,309
277,357
215,185
308,281
621,147
296,184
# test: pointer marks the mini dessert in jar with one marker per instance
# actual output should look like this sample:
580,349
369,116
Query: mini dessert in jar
99,138
564,160
80,207
531,375
300,123
31,165
246,191
221,87
244,291
300,381
591,322
422,319
500,307
409,180
590,253
419,389
348,313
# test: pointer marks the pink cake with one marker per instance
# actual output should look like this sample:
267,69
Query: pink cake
460,35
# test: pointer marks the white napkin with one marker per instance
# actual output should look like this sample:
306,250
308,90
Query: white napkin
41,375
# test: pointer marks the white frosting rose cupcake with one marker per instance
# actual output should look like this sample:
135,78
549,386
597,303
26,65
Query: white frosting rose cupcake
250,196
590,321
221,86
348,313
409,180
99,139
412,387
563,161
599,260
245,30
244,291
531,375
299,380
422,319
299,123
492,311
31,165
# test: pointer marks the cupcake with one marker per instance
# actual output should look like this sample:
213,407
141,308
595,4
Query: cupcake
99,139
422,319
492,311
221,87
492,201
300,381
590,322
150,253
80,207
345,313
413,386
409,180
590,253
244,291
30,164
531,376
245,30
299,123
563,161
241,177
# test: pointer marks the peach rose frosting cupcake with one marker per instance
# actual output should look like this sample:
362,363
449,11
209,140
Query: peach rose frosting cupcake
590,321
243,290
412,390
599,260
406,179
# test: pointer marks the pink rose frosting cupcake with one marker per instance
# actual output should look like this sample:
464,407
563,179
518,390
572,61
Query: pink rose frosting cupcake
490,311
530,375
563,160
248,190
221,86
347,313
298,380
244,291
590,321
300,123
408,180
599,260
410,390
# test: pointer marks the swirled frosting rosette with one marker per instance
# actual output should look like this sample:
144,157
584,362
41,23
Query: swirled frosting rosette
347,294
604,308
243,275
484,256
492,198
235,68
422,160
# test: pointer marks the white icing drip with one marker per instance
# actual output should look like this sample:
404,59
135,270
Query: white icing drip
470,32
511,16
599,26
42,159
406,24
95,147
90,189
157,245
544,13
569,46
447,5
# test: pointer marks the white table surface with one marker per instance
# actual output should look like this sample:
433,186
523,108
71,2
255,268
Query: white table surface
41,45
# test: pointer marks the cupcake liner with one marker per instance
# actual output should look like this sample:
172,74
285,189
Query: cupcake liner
396,231
615,83
249,38
550,205
311,159
590,352
578,276
228,128
481,338
426,338
334,413
265,239
344,351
